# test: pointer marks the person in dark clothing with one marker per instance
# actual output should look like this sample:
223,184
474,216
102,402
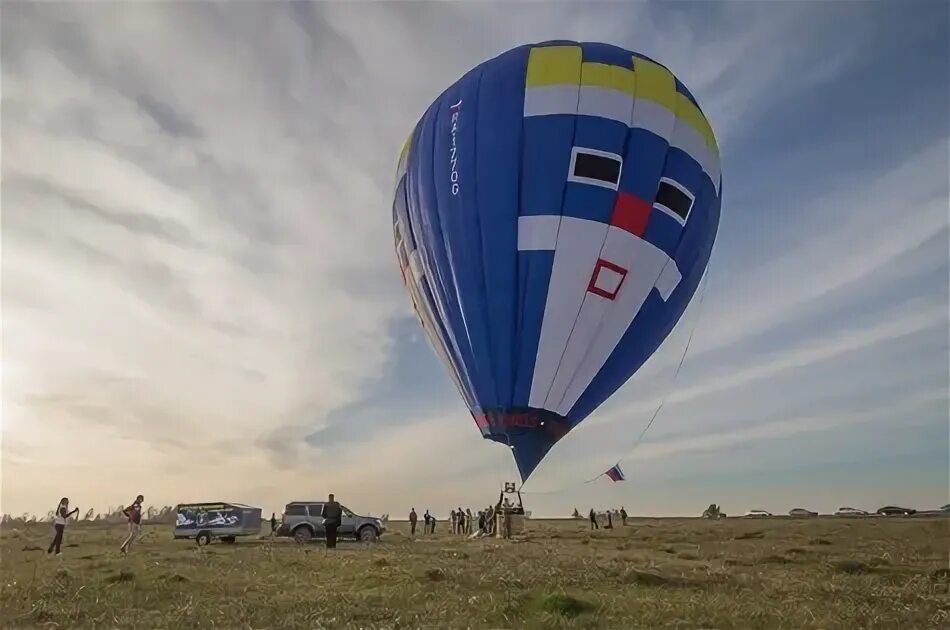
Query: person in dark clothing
413,519
610,520
623,516
59,524
273,523
134,514
427,522
593,520
461,522
332,516
432,523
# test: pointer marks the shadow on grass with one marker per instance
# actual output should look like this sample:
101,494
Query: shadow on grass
749,535
656,579
121,576
562,605
851,567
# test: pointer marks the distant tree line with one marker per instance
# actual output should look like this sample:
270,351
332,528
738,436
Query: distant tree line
113,515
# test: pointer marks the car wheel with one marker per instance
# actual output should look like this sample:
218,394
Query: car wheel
368,534
203,538
302,535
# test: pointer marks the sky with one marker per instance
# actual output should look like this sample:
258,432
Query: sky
200,298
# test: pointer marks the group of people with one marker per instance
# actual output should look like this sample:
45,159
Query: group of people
464,522
461,521
428,522
133,514
610,521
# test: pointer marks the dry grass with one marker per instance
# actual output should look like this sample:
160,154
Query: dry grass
874,573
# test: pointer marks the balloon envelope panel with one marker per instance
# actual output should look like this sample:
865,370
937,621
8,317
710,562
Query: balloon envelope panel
553,213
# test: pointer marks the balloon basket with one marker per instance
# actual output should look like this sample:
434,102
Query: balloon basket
518,527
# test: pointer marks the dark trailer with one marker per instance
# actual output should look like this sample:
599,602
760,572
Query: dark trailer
224,521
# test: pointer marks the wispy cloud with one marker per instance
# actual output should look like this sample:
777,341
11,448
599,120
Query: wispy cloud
720,441
197,253
799,354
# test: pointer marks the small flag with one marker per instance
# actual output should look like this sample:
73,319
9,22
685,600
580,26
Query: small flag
615,474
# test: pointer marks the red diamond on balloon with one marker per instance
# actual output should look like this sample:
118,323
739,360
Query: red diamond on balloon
606,279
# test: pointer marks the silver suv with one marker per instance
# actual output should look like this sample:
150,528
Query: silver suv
302,521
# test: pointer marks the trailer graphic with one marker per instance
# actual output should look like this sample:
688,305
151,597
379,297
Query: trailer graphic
219,520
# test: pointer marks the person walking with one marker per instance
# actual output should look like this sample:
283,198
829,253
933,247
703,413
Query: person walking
593,520
60,517
332,517
134,514
413,518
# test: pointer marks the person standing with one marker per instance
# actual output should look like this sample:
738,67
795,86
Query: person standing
413,518
468,520
427,522
273,523
332,517
432,523
59,524
461,522
593,520
623,516
454,516
134,514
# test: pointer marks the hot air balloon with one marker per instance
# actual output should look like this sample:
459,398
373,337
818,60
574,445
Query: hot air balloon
553,213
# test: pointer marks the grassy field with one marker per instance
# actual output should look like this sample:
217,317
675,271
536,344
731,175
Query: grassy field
735,573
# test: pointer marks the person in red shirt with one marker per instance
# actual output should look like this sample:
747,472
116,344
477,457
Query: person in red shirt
134,514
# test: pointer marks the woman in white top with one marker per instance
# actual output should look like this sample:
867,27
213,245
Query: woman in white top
59,524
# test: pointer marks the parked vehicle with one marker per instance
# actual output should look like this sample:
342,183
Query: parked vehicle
205,522
802,513
758,513
893,510
302,521
850,511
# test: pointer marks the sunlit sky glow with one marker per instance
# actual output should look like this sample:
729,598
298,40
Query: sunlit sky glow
201,300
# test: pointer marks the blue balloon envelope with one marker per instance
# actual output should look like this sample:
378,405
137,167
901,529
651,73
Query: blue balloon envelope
553,214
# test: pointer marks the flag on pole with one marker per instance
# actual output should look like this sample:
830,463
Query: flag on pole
615,474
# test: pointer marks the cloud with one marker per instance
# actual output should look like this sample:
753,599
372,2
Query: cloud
722,441
198,278
393,399
806,352
754,441
849,246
